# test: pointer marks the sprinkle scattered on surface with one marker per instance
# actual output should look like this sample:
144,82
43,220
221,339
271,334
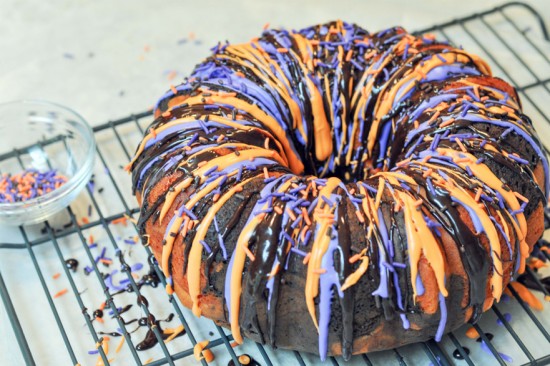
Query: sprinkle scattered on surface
60,293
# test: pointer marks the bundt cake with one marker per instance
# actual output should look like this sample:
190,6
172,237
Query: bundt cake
338,192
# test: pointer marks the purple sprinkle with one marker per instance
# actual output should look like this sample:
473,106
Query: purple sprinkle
518,159
441,58
91,186
505,133
328,201
136,267
298,251
486,348
211,170
103,251
130,241
93,245
222,246
189,213
507,317
93,352
206,247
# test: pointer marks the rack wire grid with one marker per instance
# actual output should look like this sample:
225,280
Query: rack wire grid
503,35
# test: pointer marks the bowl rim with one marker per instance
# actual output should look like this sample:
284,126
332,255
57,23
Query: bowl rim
74,181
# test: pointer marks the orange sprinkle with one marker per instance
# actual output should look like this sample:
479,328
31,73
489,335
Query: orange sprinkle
306,258
239,74
291,214
403,162
282,50
355,258
478,194
119,347
360,216
306,216
278,210
266,25
100,320
349,55
320,271
447,122
462,160
56,276
234,344
415,124
60,293
121,220
192,35
91,239
427,173
172,75
174,90
523,198
507,109
105,261
148,361
526,295
102,306
85,220
249,253
462,147
472,333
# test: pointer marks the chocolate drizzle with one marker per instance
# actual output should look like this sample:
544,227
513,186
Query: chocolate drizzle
346,158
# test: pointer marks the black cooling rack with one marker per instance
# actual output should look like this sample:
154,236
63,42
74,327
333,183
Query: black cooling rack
499,35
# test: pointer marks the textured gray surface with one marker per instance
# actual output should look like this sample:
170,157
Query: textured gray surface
107,59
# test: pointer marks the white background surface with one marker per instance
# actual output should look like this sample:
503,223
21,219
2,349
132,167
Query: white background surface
108,59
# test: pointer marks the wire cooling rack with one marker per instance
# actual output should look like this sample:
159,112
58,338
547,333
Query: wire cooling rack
514,40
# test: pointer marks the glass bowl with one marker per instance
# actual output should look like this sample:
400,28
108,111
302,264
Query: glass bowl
44,136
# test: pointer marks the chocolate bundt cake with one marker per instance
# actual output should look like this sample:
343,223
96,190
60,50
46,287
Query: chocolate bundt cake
333,191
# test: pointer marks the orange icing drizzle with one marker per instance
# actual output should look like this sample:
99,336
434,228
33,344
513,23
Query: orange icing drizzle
320,246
